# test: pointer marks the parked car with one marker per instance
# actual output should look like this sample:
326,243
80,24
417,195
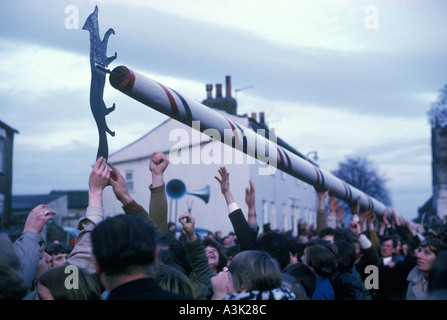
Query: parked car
203,233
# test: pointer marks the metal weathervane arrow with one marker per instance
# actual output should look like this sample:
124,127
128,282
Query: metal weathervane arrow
98,65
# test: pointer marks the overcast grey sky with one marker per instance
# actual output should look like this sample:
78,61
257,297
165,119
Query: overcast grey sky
344,78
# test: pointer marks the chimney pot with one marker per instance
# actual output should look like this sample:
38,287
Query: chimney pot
253,116
219,90
261,117
209,88
228,86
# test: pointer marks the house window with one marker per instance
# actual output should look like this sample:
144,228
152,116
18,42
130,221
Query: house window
2,149
2,203
2,153
273,216
129,181
285,217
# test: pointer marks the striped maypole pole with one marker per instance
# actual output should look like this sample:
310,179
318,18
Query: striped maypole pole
200,117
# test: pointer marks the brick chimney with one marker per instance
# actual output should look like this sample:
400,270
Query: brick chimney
227,103
209,89
261,117
228,86
218,90
254,116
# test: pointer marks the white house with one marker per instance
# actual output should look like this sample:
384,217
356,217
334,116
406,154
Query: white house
195,159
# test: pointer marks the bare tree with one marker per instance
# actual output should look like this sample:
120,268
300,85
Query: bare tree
438,111
361,173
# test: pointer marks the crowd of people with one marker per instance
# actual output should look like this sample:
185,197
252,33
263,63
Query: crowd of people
136,256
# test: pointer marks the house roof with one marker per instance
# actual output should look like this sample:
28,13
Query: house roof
8,128
76,198
28,202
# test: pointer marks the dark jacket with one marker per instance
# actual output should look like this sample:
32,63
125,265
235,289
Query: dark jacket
393,281
202,274
346,287
242,230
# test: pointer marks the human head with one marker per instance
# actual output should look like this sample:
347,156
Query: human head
59,254
398,246
231,252
296,249
44,263
321,256
172,251
11,282
171,278
304,275
346,255
388,246
217,259
290,282
330,234
437,278
121,245
171,226
277,246
427,253
228,241
52,285
254,270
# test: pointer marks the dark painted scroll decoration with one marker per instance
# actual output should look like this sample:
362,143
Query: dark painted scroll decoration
98,65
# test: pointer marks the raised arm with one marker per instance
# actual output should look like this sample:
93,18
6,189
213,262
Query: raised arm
158,201
196,253
27,246
81,255
158,206
321,211
250,201
241,228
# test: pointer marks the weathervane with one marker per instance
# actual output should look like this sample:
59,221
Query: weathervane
98,65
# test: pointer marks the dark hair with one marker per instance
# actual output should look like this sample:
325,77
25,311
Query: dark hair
435,244
338,234
11,281
55,280
296,249
232,251
208,242
56,248
346,255
172,251
303,275
276,245
321,255
123,242
437,278
393,238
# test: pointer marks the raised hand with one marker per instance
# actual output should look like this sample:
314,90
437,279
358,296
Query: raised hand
157,165
188,223
38,217
119,186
